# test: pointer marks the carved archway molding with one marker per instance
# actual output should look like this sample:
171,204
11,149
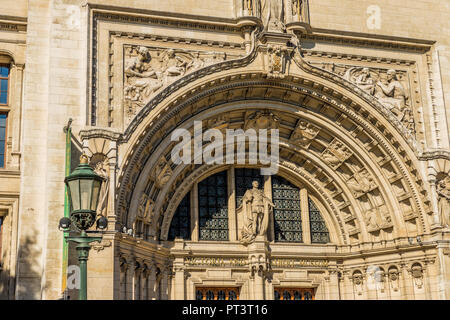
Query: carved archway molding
162,124
171,194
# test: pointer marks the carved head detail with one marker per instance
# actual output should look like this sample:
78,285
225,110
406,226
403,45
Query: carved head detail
255,184
391,74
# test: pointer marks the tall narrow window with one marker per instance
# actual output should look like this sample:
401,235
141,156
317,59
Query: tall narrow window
244,178
319,230
4,84
181,221
3,118
287,214
213,207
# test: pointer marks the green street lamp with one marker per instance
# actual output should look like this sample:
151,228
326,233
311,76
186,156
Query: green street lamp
83,188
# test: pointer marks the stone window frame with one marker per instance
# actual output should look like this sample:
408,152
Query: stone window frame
234,220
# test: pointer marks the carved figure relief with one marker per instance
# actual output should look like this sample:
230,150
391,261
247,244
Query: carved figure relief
162,173
255,208
443,191
336,153
390,87
149,69
304,133
361,183
261,120
371,220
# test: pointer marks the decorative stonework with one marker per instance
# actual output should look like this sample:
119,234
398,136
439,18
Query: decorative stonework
149,69
304,133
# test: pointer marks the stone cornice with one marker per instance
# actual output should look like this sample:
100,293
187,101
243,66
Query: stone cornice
369,40
434,155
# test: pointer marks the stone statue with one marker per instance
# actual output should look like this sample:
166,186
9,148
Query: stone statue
371,220
304,133
146,208
256,208
392,95
443,191
272,15
336,153
102,169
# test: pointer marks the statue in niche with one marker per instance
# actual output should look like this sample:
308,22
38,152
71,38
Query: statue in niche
371,219
162,173
392,95
272,14
146,208
102,169
304,133
256,208
443,191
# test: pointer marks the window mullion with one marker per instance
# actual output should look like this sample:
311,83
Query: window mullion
305,216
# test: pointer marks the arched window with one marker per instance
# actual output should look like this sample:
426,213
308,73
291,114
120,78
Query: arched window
319,230
287,214
213,207
181,221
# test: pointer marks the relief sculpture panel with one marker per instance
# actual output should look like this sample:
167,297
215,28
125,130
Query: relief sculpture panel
149,69
390,87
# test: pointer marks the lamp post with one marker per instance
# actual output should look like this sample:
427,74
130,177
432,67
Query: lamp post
83,188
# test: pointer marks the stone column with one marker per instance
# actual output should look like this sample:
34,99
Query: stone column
151,283
333,285
137,281
165,284
194,213
405,289
347,292
179,285
306,232
123,279
232,218
144,282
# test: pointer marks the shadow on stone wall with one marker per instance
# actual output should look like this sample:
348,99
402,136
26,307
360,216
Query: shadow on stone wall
29,285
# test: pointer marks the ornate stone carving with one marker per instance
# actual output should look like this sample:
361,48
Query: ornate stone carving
417,274
261,120
358,280
336,153
304,133
393,275
361,183
443,191
255,208
149,69
162,173
390,87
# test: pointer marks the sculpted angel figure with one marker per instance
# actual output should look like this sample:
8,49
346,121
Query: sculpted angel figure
256,208
175,65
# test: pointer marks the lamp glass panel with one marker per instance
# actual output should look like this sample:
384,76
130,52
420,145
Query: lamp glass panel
75,194
95,194
85,193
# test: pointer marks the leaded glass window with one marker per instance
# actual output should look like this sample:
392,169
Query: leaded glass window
217,293
4,84
213,207
180,226
319,230
244,178
3,118
287,214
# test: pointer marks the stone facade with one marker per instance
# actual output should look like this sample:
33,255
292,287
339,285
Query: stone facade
359,93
